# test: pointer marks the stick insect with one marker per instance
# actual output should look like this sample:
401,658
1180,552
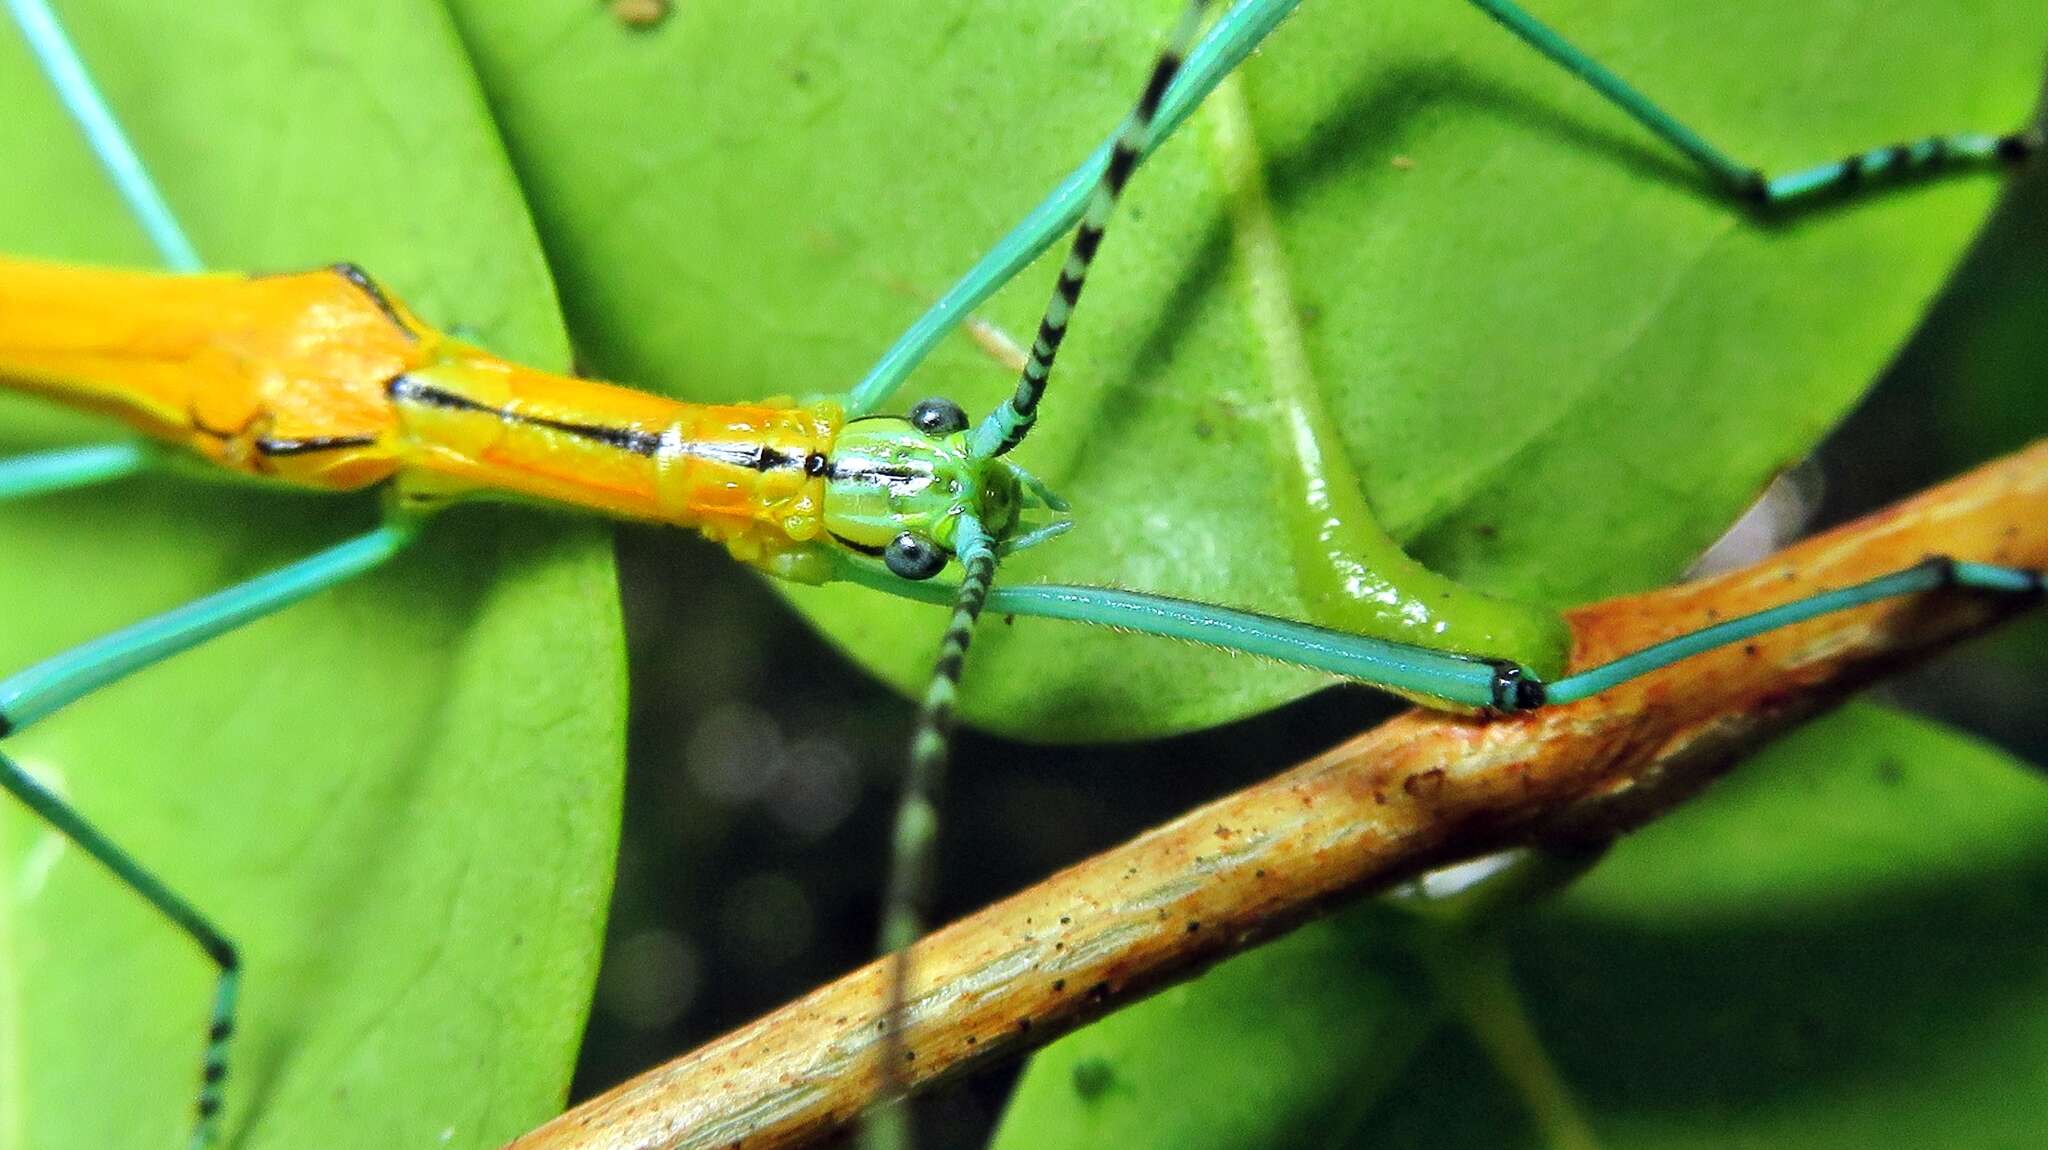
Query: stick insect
819,497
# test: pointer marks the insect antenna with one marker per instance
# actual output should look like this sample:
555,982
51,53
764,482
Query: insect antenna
912,845
1006,426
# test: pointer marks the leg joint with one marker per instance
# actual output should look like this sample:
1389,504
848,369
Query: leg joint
2019,145
1942,568
221,951
1516,690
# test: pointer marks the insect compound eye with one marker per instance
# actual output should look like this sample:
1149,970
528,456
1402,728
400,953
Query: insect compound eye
937,416
912,556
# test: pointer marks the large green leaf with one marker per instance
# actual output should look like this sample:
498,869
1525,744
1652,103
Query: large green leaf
1560,361
1832,949
399,798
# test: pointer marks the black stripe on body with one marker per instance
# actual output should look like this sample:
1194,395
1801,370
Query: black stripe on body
889,473
751,456
405,389
863,548
313,444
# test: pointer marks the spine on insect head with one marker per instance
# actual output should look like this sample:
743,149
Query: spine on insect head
750,476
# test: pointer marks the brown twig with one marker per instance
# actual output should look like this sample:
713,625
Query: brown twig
1416,792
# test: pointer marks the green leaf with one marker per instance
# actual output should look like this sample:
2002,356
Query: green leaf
1833,948
399,798
1836,949
1562,363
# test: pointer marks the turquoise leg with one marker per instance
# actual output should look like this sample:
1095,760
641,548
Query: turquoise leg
1931,575
1918,157
68,75
1461,680
1247,23
1412,670
66,468
30,695
211,942
44,688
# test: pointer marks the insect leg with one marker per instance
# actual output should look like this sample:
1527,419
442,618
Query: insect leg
1930,575
35,693
62,679
1418,672
1917,157
1431,675
67,72
69,822
44,472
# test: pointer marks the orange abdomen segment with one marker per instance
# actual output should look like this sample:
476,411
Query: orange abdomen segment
272,375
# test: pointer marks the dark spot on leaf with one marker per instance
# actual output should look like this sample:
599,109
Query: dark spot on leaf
1093,1077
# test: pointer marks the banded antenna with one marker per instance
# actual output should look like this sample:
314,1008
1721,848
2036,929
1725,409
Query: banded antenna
914,839
1006,426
